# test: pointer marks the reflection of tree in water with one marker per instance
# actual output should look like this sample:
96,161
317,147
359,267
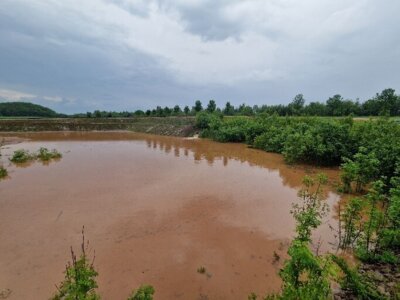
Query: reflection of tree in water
211,152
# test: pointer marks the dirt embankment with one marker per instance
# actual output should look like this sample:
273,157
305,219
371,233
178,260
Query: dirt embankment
173,126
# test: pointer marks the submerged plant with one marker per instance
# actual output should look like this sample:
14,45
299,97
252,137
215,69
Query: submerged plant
3,172
21,156
79,282
305,275
45,155
145,292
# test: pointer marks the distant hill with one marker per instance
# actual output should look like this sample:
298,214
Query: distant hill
25,109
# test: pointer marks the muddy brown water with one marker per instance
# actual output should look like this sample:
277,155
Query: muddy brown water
155,209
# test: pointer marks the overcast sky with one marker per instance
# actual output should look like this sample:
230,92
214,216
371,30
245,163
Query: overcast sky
79,55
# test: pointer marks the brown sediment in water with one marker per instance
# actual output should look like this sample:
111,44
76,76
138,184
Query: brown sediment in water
9,140
155,209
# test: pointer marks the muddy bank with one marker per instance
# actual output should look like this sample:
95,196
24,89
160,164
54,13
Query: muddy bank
171,126
155,209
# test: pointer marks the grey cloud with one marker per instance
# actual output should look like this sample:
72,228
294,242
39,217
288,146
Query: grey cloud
125,54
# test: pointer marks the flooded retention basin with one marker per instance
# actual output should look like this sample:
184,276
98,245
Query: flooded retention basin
155,209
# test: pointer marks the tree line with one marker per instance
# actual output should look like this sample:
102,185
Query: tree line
385,103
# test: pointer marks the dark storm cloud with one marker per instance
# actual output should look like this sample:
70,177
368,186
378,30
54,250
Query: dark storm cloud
126,54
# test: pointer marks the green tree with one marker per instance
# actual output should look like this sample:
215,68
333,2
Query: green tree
186,110
297,105
362,169
211,107
177,110
197,106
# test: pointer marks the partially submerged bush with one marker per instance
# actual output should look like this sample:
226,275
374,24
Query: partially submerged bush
21,156
305,275
45,155
3,172
145,292
79,282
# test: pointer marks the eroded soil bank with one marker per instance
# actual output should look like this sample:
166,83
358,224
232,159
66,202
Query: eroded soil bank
155,209
171,126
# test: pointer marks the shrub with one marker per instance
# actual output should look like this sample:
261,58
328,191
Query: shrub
45,155
145,292
21,156
3,172
205,120
79,282
361,170
305,275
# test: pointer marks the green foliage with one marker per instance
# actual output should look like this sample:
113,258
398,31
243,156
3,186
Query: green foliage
3,172
323,142
305,275
212,106
25,109
296,106
309,213
45,155
361,170
21,156
79,282
371,226
351,223
229,109
198,107
145,292
186,110
206,120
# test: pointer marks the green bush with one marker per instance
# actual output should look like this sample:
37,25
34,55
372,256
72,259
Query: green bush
45,155
21,156
145,292
80,278
205,120
3,172
305,275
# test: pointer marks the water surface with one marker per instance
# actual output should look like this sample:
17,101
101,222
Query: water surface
155,209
